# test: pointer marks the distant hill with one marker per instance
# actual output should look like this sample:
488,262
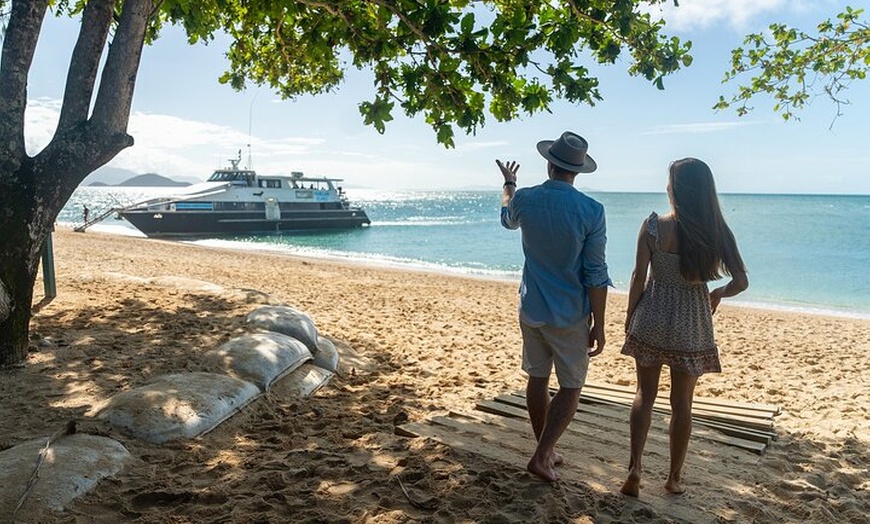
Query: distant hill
152,180
115,176
108,176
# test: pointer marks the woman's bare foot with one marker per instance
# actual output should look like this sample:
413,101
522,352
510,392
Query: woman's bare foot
674,486
557,459
543,469
631,487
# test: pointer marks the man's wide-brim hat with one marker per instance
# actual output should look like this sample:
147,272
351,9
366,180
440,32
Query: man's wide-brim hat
568,152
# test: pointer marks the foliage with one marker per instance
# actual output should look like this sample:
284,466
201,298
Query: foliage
450,60
790,65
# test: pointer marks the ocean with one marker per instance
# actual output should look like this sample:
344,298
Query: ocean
806,253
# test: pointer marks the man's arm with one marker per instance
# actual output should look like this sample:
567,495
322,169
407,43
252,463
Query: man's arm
596,280
509,172
598,301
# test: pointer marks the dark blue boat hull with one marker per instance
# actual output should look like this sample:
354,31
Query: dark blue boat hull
211,223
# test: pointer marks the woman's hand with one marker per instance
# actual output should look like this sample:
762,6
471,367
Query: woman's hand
715,298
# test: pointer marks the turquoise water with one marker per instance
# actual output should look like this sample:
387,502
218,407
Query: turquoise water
805,252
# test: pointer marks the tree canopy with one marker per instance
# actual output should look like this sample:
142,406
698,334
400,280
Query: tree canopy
450,61
794,67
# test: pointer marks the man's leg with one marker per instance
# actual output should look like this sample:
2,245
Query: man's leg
538,363
561,413
538,403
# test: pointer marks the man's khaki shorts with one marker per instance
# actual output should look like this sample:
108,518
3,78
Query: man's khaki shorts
566,348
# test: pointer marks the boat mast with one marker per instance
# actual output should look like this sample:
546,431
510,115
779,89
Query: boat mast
250,126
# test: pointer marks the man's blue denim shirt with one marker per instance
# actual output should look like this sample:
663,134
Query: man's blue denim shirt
564,234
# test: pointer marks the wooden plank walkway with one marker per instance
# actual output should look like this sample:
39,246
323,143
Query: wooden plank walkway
595,445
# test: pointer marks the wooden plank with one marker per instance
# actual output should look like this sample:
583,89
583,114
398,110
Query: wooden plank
611,411
619,412
578,440
744,433
458,441
616,414
512,408
657,441
758,434
751,428
616,432
628,397
588,427
697,412
754,406
699,406
731,435
753,425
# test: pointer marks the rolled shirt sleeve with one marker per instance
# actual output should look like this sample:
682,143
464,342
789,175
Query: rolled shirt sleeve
594,268
509,218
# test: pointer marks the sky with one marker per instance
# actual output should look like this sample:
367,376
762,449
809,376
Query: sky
186,124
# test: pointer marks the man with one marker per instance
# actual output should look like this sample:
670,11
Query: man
564,281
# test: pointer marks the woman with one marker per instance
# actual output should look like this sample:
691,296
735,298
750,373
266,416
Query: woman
669,319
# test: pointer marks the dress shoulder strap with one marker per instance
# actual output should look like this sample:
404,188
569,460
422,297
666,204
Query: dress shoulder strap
652,227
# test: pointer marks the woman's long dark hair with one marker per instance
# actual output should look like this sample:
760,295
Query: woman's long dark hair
706,244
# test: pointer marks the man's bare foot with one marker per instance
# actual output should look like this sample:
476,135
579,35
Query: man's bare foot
557,459
674,486
631,487
542,469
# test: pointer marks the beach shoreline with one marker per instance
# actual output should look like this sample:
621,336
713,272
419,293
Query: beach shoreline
436,343
461,272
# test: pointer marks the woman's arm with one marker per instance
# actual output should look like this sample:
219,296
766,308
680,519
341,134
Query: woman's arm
638,276
739,281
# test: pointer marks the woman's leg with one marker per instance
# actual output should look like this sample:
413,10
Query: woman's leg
639,421
682,392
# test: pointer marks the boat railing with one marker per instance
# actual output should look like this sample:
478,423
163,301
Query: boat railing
94,219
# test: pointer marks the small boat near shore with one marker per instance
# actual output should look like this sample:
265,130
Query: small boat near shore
239,201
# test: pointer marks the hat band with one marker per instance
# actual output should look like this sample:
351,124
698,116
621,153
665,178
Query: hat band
560,159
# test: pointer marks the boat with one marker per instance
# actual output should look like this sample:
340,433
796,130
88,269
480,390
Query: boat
235,201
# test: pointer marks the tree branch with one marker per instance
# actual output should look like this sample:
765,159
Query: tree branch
115,97
19,44
85,61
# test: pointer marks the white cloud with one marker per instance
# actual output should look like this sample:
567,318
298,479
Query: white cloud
695,129
190,150
700,14
40,121
470,147
172,146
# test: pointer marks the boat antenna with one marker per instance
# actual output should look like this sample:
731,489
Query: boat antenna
250,126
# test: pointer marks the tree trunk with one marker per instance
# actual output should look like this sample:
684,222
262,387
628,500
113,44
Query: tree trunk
16,294
23,235
30,200
33,190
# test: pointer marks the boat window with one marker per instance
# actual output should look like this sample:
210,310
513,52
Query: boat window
274,184
298,206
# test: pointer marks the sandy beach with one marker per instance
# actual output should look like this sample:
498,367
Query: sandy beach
427,343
